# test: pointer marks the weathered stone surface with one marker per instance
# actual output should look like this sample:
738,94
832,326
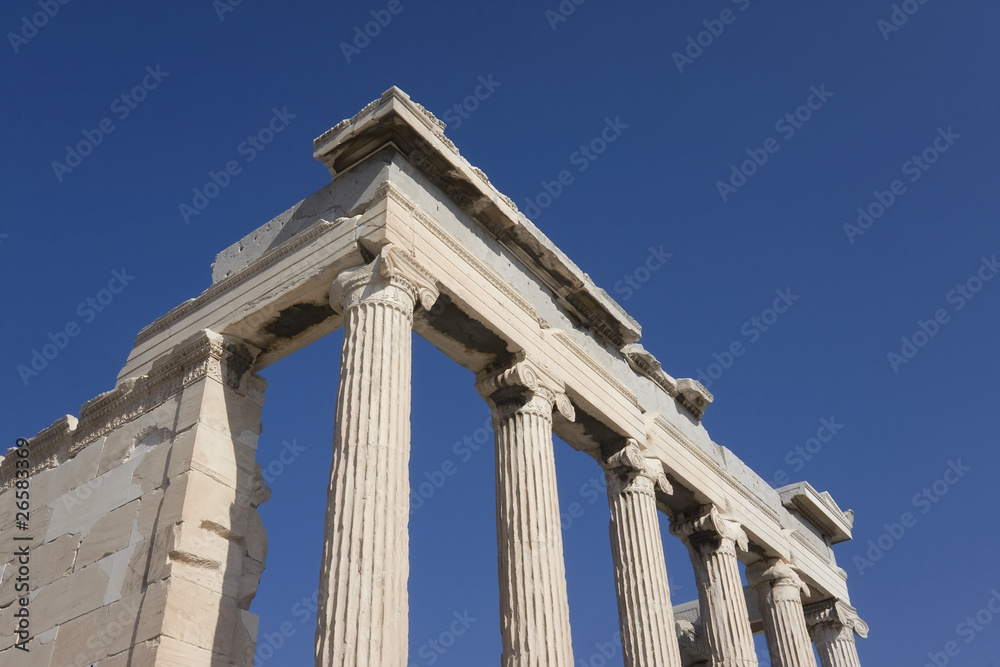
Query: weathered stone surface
832,625
534,609
49,562
110,534
69,597
158,478
645,611
363,608
712,542
779,594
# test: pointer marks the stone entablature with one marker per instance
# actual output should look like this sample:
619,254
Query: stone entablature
416,239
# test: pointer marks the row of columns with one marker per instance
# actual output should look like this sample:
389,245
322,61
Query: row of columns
363,608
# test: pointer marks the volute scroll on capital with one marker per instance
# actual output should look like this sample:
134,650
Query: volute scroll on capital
776,571
711,522
531,376
835,613
392,266
630,462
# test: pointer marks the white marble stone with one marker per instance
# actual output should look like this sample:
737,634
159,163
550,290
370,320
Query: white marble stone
534,609
363,608
712,542
645,612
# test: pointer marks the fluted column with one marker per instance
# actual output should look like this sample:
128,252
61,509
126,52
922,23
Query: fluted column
534,609
362,616
779,593
645,613
832,626
712,542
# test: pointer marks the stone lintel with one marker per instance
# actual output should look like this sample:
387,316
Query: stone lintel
394,119
820,509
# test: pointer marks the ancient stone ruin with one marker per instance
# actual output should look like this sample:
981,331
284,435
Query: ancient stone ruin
145,543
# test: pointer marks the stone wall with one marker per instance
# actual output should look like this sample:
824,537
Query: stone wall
146,546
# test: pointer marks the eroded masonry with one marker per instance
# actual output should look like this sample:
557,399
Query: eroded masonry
147,546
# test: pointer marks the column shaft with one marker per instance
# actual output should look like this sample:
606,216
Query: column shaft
534,608
779,592
362,618
832,625
835,646
725,622
645,612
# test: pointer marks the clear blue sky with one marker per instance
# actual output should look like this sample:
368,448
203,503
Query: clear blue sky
880,97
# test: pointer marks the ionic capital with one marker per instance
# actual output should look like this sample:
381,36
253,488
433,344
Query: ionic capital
834,615
710,525
525,385
633,472
392,267
777,573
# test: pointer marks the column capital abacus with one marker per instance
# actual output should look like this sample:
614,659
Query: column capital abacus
532,387
393,267
632,471
708,523
776,572
835,614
